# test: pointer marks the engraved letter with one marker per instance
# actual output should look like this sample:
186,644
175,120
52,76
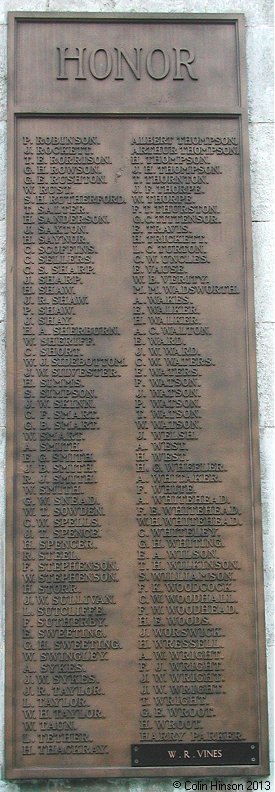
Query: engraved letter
149,64
134,68
92,64
62,57
186,61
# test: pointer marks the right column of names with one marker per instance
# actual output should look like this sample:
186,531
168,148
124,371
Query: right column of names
191,419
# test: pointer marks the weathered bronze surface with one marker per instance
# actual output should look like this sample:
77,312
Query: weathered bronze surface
134,578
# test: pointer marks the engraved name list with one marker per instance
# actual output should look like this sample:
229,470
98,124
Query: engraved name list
133,523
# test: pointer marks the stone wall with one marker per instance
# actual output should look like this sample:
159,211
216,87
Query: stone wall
259,20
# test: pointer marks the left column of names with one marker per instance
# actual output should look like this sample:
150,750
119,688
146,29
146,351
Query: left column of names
71,581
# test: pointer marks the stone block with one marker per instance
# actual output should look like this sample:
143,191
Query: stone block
268,542
263,259
86,6
2,484
2,662
138,6
261,161
257,12
260,71
21,5
265,373
267,442
272,775
2,379
167,785
271,681
2,270
152,785
3,72
2,577
267,437
3,169
154,7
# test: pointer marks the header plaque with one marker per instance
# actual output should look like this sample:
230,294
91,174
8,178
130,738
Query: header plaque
135,616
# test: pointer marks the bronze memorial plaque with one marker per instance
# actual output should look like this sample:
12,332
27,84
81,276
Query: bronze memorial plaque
134,589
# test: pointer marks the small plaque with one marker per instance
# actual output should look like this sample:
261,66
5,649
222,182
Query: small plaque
135,617
192,754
